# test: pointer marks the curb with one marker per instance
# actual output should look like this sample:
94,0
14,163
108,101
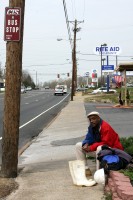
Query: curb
23,148
119,186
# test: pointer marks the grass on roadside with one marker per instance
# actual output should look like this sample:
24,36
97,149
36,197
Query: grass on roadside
107,196
127,143
108,97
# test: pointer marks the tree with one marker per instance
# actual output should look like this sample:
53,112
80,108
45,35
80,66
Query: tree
1,72
27,80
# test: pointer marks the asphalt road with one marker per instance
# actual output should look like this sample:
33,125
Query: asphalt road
121,119
38,108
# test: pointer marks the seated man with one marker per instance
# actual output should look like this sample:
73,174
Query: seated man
99,133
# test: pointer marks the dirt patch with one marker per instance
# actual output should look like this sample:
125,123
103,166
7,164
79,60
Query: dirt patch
7,186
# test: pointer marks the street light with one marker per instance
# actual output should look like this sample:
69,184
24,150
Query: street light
102,45
103,59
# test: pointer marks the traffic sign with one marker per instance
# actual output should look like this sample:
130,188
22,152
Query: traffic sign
107,68
87,74
12,24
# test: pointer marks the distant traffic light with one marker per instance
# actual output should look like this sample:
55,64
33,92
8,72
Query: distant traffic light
58,75
68,74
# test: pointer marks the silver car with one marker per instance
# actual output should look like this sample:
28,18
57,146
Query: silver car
103,90
59,90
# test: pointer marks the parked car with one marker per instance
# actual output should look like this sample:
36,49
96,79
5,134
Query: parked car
36,88
59,90
46,87
129,84
2,89
29,88
81,89
23,89
103,90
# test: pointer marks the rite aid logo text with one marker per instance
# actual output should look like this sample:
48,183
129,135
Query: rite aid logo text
106,50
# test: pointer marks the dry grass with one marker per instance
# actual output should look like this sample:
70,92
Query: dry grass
7,186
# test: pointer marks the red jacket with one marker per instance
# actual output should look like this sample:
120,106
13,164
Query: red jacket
108,137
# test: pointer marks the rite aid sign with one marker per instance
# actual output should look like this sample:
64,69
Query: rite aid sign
107,50
12,24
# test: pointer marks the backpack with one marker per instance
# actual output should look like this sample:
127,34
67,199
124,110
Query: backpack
110,160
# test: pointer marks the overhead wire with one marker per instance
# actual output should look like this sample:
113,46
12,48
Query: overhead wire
92,54
67,22
45,65
98,60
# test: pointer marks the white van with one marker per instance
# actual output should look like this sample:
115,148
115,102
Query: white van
64,88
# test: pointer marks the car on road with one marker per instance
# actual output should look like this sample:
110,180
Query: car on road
23,89
59,90
64,88
29,88
103,90
2,89
46,87
81,88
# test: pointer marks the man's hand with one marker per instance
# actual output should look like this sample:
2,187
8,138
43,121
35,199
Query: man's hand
86,148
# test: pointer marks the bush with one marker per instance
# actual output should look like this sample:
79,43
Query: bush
127,144
128,147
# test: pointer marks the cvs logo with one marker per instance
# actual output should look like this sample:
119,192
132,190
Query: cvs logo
13,11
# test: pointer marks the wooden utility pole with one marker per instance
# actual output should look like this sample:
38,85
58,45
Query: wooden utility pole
74,67
74,62
12,100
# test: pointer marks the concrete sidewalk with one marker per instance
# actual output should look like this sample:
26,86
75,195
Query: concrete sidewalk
45,174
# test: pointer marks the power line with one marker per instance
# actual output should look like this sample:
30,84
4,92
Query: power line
98,60
92,54
46,65
68,27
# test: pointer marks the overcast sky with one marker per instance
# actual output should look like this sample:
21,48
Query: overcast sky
105,21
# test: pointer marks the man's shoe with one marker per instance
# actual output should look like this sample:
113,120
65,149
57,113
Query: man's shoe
88,172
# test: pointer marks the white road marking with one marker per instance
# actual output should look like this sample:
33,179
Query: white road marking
26,103
42,113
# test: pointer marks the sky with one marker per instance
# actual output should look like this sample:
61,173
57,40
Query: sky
105,21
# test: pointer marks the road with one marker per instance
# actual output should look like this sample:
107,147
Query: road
38,108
